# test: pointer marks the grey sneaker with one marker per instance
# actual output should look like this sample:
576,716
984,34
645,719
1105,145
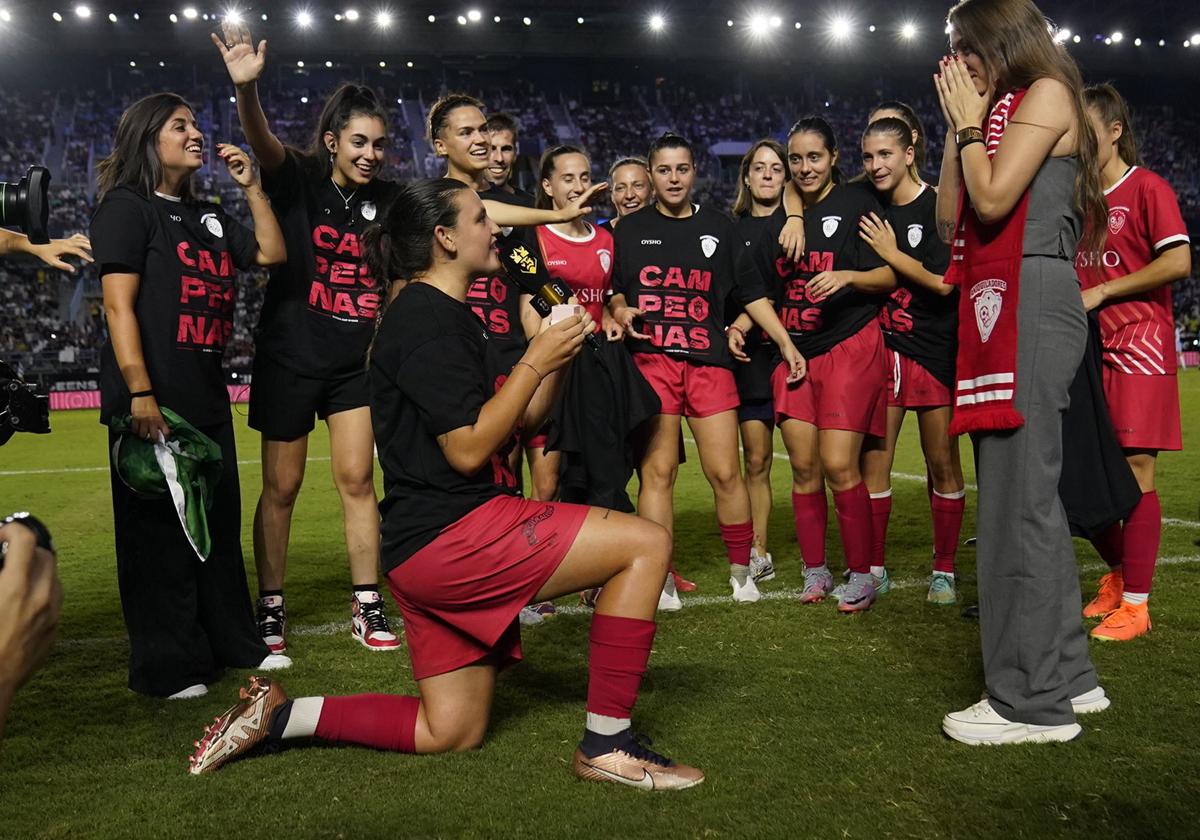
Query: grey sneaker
883,585
762,567
858,594
941,590
818,583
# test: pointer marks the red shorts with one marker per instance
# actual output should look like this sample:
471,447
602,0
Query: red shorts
461,594
911,385
1144,410
686,388
844,388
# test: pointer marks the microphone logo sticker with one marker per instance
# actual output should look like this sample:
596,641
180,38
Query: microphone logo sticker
523,260
708,244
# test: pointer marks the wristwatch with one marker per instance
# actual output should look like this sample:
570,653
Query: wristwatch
970,134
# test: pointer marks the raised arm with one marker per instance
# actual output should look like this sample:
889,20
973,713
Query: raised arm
514,215
267,233
245,64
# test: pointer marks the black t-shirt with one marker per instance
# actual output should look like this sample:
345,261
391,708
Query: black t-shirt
753,377
680,272
319,312
496,300
832,243
186,256
917,322
427,377
518,197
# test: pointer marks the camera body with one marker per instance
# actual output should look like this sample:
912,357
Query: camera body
22,409
26,204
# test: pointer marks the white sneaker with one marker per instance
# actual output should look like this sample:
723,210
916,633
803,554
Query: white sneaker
747,593
275,662
197,690
529,616
668,600
1091,701
762,567
981,724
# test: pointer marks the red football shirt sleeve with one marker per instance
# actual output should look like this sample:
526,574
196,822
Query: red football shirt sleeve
1164,222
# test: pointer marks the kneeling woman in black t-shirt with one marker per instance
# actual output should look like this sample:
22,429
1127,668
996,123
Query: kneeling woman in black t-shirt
462,553
168,265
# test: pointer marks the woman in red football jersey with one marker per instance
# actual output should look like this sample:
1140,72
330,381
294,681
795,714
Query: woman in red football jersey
1129,286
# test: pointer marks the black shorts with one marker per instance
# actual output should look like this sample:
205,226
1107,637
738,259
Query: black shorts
283,403
762,410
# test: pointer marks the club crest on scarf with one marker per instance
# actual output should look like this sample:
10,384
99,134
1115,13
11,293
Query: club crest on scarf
988,300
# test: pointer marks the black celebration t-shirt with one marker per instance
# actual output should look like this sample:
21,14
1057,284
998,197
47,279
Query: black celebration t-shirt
186,256
679,273
917,322
831,243
318,315
427,378
753,377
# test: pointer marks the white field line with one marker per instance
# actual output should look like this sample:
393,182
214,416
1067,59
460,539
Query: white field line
332,628
67,470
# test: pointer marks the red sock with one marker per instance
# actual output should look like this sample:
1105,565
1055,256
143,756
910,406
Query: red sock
618,649
881,513
1110,545
811,511
382,721
738,539
853,508
1143,531
947,525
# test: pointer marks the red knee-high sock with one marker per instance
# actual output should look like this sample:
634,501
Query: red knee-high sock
947,525
738,539
881,513
811,511
382,721
853,509
1143,531
618,650
1109,544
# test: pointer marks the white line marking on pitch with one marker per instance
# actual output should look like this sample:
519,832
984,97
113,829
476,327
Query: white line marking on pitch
332,628
64,470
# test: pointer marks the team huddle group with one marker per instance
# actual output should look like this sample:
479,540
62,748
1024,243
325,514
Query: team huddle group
823,305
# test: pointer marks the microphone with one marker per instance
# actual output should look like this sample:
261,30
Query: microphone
524,267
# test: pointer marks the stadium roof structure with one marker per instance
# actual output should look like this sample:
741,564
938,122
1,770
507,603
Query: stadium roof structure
1113,32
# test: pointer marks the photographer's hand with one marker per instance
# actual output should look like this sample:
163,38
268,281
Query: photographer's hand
52,252
30,598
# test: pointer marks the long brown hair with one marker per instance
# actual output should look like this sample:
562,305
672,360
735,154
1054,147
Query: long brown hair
344,104
902,133
1014,40
744,200
134,160
546,171
1112,107
920,145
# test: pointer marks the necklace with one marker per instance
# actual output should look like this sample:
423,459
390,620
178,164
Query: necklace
346,199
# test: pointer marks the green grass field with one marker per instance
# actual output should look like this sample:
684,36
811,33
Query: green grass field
806,722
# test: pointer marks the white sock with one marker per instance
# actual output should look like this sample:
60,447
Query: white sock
883,494
877,571
605,725
956,495
1135,597
302,722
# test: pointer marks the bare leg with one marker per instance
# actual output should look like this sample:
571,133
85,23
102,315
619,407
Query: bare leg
351,447
758,453
282,474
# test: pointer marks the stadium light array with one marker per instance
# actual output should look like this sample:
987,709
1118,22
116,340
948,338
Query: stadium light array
82,11
328,64
432,18
190,13
657,23
776,21
232,16
300,63
798,24
137,16
1117,37
382,65
1076,39
304,19
6,15
579,20
462,21
1196,38
409,65
474,15
759,24
908,31
1137,42
1062,35
840,28
496,19
174,18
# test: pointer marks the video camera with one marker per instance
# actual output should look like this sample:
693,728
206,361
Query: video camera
22,409
26,204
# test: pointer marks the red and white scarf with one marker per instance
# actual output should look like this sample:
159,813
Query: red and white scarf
985,262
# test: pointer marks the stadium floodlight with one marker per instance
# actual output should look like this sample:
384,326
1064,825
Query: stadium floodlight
328,63
840,28
657,23
6,15
1187,43
112,17
1137,42
1061,35
776,21
264,15
462,21
304,19
797,24
759,24
174,18
1108,42
908,31
232,100
409,65
338,17
351,15
383,19
300,63
496,19
82,11
1196,38
474,15
432,18
133,64
1076,39
190,12
1161,42
579,20
527,21
382,65
1117,37
871,28
232,16
303,100
137,16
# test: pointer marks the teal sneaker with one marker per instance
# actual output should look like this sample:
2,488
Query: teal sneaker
941,590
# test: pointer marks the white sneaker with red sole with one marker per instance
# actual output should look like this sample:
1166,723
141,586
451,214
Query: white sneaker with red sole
369,624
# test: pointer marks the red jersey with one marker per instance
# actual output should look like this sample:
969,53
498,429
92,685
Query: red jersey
584,263
1143,218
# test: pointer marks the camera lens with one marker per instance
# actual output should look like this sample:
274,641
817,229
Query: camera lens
26,204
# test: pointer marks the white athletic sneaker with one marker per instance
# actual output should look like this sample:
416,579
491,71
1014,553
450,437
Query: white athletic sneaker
529,616
1091,701
275,662
668,600
981,724
747,593
192,691
762,567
